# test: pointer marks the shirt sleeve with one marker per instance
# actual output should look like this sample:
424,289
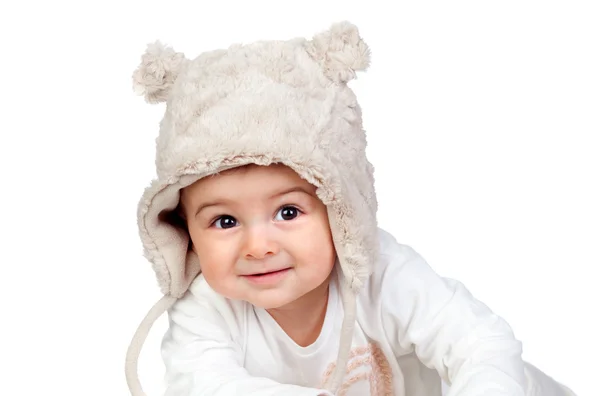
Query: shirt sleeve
202,359
471,348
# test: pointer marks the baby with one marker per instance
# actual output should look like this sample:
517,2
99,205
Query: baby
261,228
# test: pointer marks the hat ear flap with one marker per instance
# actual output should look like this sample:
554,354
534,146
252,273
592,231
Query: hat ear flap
340,51
157,72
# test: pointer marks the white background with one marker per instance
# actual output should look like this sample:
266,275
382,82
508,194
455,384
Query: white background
483,119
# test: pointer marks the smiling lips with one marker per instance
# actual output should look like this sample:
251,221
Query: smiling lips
267,277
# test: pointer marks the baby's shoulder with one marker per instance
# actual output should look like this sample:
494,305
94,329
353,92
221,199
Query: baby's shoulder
394,257
397,264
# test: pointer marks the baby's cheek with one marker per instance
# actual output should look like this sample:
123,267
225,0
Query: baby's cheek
324,256
320,266
223,286
216,277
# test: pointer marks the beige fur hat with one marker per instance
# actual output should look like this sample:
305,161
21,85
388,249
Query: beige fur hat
266,102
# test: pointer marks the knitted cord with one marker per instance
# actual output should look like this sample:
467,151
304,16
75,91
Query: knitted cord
135,347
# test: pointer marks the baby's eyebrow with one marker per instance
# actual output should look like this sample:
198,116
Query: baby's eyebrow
205,205
224,201
291,190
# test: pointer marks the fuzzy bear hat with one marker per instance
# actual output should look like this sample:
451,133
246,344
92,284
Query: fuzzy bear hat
267,102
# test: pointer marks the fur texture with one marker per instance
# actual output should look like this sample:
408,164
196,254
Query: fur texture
158,71
265,102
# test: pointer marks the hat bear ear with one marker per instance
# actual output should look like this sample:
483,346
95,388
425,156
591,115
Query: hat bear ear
340,51
157,72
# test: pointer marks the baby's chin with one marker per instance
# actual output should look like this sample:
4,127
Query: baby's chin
239,290
270,300
266,299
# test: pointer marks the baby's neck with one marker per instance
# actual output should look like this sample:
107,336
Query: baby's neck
303,319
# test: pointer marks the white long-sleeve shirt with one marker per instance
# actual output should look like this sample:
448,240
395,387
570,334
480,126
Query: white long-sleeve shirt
414,332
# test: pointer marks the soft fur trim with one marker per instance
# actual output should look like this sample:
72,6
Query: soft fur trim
157,72
341,52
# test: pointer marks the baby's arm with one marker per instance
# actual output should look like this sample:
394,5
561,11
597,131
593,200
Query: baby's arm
201,358
471,348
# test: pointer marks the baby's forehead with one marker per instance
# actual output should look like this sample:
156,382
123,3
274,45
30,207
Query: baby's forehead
251,179
270,175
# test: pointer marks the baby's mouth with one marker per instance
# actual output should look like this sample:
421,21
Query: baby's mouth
268,273
267,277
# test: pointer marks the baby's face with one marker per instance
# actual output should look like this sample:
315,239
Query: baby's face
261,234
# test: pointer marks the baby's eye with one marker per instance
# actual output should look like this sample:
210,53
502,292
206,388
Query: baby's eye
225,222
287,213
